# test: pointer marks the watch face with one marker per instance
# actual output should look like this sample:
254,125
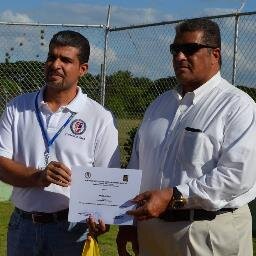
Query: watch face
179,203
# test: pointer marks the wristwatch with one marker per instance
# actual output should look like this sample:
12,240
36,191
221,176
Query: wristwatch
177,201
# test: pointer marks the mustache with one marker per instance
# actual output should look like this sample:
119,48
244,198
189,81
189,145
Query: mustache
54,73
182,65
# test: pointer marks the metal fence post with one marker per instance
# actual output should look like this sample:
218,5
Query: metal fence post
103,66
235,49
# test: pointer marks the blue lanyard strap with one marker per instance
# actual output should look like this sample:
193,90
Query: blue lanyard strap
47,140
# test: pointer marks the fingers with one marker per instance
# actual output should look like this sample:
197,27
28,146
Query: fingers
103,227
141,213
96,229
89,238
141,197
151,204
57,173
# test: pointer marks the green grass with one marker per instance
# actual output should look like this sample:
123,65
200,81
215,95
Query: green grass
5,211
107,242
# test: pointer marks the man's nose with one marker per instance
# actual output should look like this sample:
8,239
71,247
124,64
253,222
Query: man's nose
179,56
56,63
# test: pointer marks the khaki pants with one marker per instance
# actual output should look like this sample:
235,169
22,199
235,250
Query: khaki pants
229,234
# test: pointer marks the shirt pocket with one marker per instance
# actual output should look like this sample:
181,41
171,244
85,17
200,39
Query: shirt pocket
195,152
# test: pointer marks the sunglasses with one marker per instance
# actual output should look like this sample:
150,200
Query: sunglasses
188,49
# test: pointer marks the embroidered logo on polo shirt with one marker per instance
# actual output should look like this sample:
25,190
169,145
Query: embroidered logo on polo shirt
78,126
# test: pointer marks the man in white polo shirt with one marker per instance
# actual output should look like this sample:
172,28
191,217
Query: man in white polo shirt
43,134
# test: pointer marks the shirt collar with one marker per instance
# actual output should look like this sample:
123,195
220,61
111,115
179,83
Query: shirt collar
204,89
74,106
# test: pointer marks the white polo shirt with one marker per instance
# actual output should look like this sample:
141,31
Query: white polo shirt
203,143
89,139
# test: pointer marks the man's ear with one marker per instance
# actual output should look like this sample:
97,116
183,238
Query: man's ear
216,54
83,69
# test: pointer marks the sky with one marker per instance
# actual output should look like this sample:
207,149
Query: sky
123,13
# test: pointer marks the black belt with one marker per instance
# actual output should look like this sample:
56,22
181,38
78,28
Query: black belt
192,214
42,217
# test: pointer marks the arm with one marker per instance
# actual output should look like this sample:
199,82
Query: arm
19,175
12,172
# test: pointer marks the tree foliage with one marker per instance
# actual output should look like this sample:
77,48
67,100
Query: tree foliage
129,96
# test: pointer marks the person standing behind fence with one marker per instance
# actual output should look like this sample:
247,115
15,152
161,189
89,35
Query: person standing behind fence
197,149
43,134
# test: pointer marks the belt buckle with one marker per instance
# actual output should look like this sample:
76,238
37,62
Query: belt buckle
34,216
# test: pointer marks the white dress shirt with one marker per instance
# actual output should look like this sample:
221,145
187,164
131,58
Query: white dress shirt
203,143
89,139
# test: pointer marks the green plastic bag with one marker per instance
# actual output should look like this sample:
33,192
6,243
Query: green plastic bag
91,247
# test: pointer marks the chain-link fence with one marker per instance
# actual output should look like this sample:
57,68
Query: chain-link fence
128,67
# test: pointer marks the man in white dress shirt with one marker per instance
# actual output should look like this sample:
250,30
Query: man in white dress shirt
42,135
197,149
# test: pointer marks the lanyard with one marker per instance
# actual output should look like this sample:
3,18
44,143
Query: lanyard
48,141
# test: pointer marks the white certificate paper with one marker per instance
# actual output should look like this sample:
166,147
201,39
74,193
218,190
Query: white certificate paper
103,193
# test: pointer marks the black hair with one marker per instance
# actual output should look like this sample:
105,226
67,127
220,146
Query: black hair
210,28
74,39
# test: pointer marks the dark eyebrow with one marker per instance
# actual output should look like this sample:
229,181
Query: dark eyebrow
63,58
